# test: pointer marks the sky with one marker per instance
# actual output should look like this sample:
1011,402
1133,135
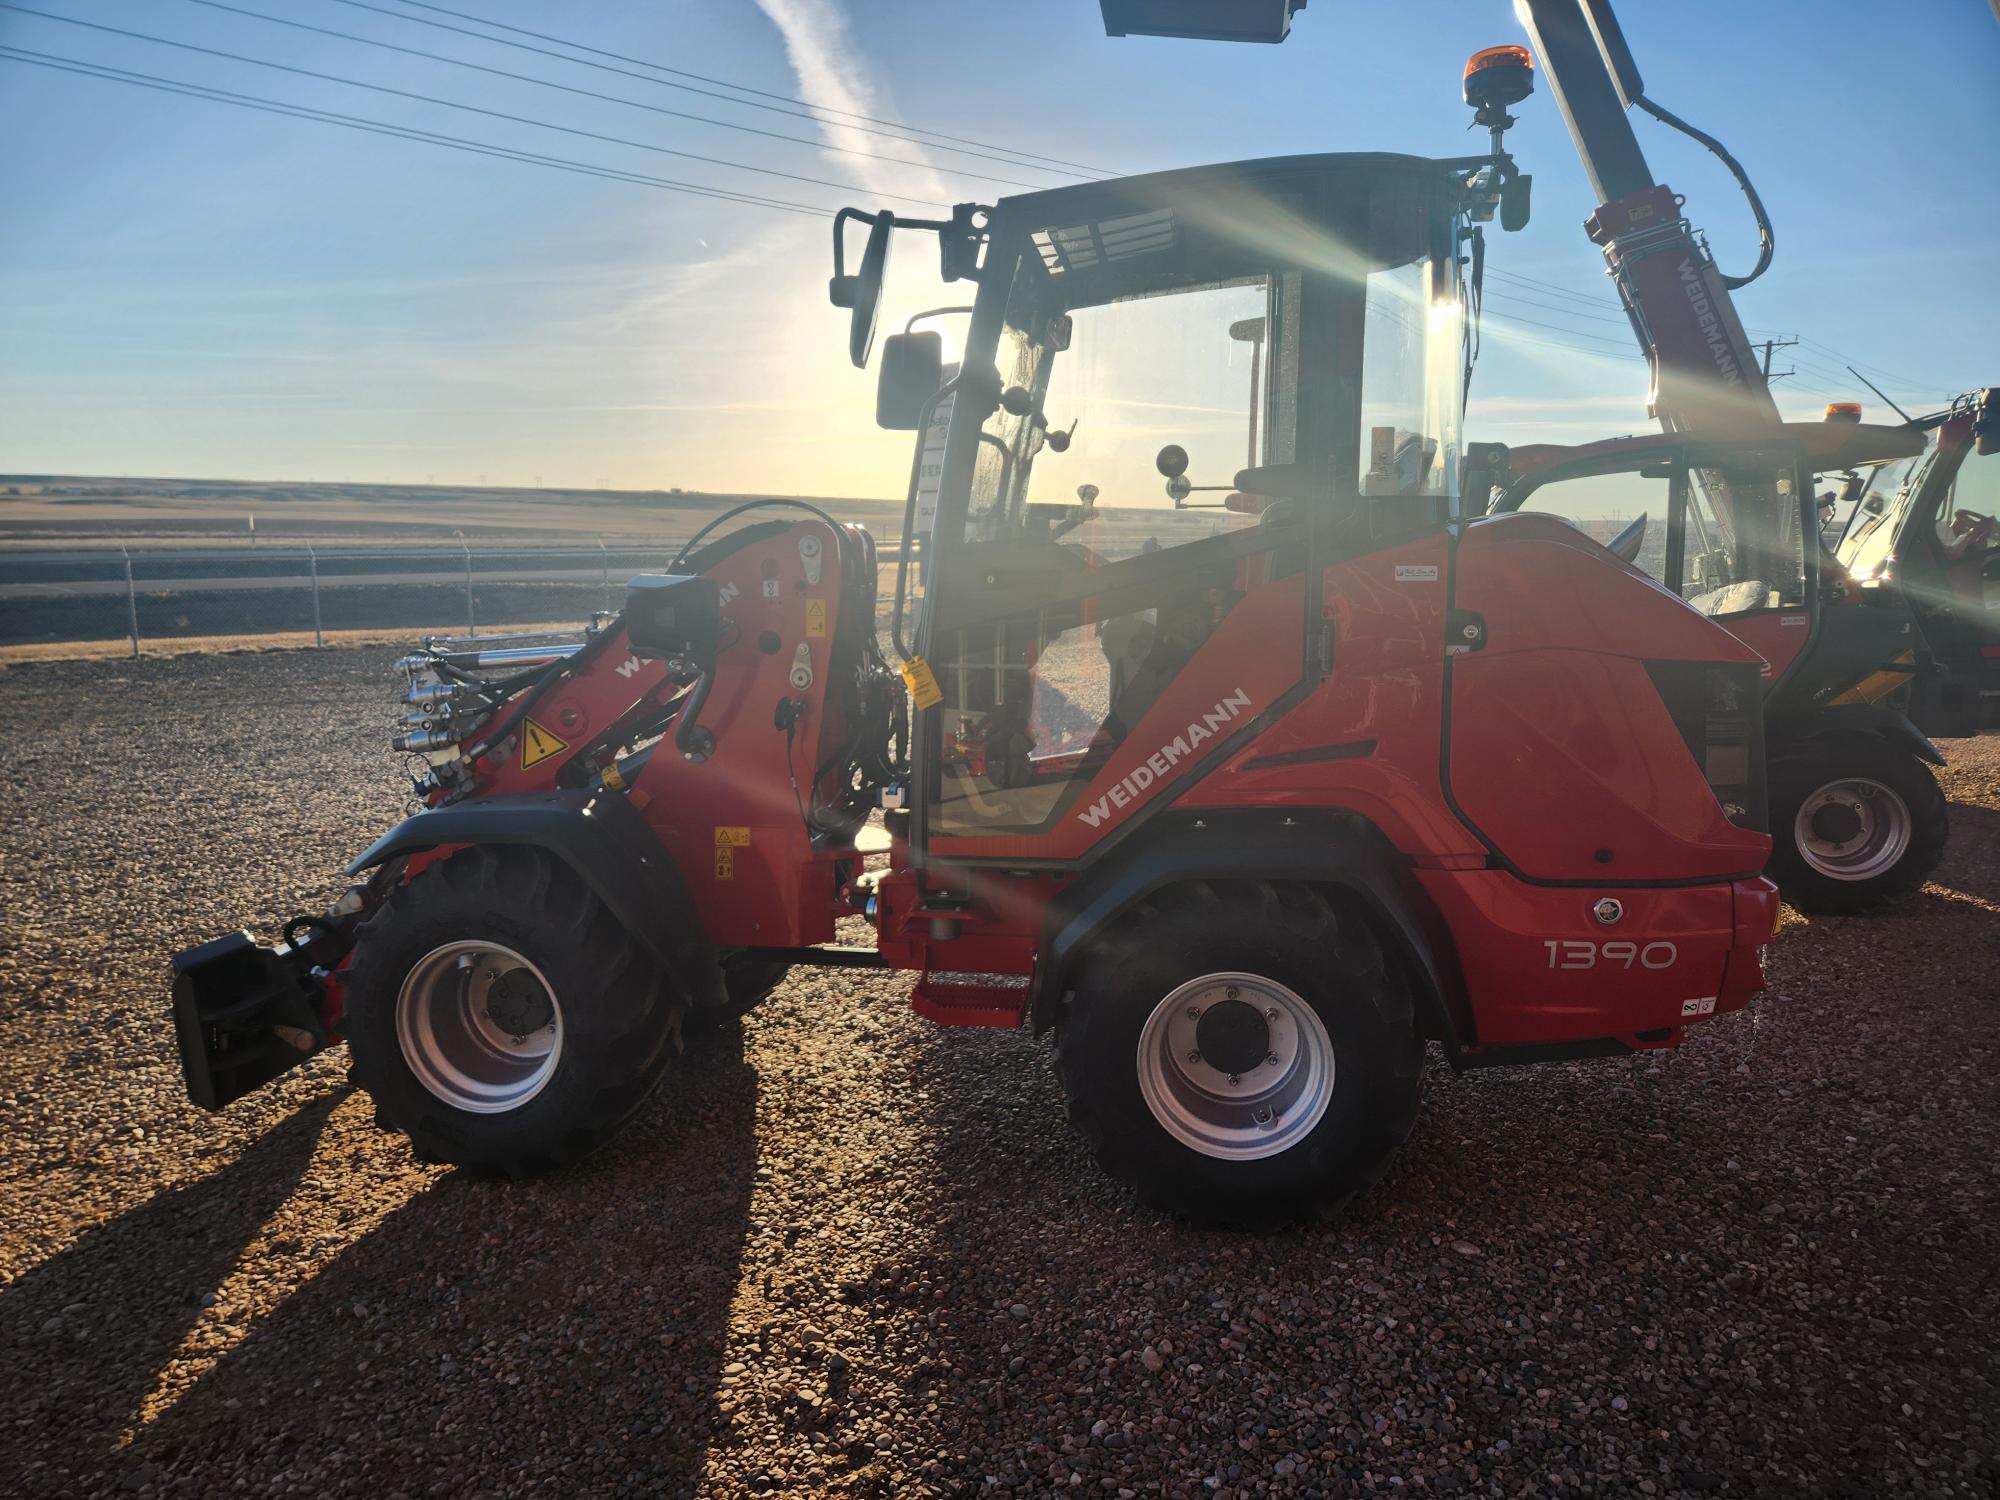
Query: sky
189,288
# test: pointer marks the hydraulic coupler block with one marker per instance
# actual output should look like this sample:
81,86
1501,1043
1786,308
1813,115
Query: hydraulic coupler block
424,741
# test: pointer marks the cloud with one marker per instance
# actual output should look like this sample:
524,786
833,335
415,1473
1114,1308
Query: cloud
833,76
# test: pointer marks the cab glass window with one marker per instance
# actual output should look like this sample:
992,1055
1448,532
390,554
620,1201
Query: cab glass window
1743,549
1211,370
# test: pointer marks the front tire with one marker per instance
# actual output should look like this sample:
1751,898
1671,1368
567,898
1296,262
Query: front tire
501,1017
1241,1055
1855,823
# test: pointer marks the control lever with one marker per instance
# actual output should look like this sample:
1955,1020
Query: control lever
1018,401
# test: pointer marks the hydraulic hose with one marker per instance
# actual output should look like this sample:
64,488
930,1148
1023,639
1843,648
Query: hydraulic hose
734,511
1767,243
688,732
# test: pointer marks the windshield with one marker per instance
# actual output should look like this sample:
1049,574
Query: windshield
1146,360
1871,528
1975,492
1192,368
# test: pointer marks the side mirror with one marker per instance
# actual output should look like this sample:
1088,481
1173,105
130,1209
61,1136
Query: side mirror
862,292
1514,202
1987,423
912,370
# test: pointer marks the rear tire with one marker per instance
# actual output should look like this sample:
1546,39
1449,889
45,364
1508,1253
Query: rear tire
1855,823
1272,971
501,1017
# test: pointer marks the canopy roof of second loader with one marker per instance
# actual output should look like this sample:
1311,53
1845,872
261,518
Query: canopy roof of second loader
1824,445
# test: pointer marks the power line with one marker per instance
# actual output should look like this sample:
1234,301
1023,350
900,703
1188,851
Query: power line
1010,157
724,83
1572,332
846,187
402,132
1845,359
1826,350
1508,337
658,109
1549,287
1516,297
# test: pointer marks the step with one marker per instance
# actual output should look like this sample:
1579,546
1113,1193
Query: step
954,999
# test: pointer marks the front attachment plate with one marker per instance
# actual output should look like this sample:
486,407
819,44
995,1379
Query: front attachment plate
243,1014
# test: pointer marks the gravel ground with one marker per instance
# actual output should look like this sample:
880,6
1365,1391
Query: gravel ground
843,1251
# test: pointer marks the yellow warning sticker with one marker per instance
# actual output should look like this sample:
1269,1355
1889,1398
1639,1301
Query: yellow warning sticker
917,676
725,863
537,744
815,617
731,838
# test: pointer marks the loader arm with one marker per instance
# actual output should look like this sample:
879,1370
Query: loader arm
1705,375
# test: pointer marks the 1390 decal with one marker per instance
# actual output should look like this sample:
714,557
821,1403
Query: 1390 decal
1585,955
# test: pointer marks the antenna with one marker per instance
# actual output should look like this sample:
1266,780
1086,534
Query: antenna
1880,392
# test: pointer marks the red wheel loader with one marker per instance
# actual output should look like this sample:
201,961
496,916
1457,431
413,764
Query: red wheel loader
1245,802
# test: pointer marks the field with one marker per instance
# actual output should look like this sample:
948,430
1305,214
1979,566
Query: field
844,1252
326,558
65,510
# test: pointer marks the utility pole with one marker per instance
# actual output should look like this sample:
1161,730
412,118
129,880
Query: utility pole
1769,346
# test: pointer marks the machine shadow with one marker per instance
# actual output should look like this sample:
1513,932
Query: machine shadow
1481,1169
91,1328
477,1330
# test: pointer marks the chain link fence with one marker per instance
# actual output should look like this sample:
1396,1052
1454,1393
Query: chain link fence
307,594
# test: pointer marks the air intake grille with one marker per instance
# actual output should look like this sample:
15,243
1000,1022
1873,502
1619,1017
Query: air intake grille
1719,711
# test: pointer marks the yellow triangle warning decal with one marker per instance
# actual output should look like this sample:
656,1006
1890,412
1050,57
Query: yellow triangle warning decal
537,744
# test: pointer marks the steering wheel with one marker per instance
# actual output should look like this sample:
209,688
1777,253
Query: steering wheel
1970,529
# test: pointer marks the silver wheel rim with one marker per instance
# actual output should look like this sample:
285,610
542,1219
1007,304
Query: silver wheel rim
1258,1110
454,1020
1881,836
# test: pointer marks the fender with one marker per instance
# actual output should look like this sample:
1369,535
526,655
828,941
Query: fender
1877,719
602,838
1311,848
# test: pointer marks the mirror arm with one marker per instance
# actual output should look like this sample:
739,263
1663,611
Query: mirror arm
840,291
914,319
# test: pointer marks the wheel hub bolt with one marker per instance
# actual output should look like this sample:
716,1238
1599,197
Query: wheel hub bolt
1194,1057
1231,992
1234,1079
1261,1116
1194,1013
1271,1014
1272,1059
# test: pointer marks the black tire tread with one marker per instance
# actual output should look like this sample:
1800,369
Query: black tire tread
1796,773
622,1061
1177,924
